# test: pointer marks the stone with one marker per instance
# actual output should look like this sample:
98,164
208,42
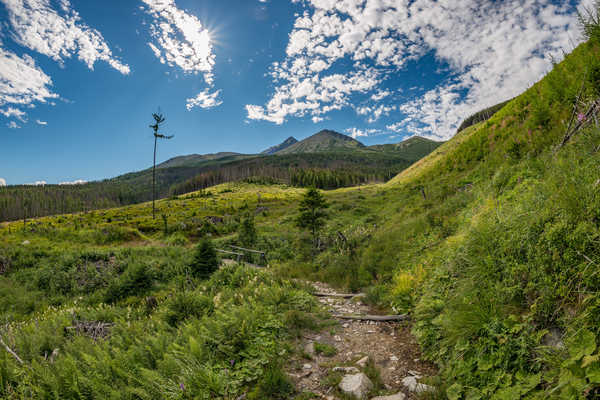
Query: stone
357,385
337,338
397,396
411,383
393,358
363,362
307,366
553,339
310,349
25,242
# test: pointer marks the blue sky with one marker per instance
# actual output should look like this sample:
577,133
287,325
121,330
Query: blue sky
79,79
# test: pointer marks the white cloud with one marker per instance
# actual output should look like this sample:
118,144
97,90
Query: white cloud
21,81
13,125
39,122
37,183
2,182
356,132
75,182
58,34
14,112
494,51
205,99
181,39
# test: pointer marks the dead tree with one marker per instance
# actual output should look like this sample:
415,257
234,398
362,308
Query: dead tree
159,119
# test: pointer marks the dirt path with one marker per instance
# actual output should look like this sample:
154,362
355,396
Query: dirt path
392,352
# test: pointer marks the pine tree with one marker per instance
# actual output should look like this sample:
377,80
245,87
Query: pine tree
312,213
205,260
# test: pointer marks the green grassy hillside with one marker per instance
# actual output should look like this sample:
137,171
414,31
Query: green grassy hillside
412,149
491,243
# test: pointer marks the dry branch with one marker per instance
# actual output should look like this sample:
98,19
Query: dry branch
10,351
342,295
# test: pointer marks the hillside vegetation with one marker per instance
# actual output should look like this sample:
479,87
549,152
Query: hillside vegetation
491,243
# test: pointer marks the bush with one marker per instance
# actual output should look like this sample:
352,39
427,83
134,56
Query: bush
274,385
205,260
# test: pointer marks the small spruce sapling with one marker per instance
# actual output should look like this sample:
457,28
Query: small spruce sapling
247,231
312,215
205,260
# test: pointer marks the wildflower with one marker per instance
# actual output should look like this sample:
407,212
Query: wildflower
580,117
182,386
232,362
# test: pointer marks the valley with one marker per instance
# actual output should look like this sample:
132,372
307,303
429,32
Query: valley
483,250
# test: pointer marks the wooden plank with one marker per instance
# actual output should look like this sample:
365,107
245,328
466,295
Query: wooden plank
229,252
342,295
250,250
402,317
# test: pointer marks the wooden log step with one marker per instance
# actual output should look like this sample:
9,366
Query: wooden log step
382,318
341,295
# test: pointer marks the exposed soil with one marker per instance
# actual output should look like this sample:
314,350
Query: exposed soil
389,345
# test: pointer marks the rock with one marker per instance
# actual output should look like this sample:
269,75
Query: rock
337,338
397,396
307,366
26,242
346,370
363,362
357,385
310,348
393,358
554,339
411,383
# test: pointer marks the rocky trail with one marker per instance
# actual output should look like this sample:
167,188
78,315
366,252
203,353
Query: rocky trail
376,360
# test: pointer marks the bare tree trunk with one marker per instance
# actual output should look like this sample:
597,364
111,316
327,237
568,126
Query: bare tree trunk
154,179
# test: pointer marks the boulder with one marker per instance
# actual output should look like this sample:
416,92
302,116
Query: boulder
411,383
357,385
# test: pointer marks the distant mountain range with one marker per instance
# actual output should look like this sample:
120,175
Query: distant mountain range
326,160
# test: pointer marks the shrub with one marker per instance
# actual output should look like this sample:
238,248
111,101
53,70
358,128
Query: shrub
274,385
205,260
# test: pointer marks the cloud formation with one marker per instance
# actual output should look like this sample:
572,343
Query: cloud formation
75,182
181,40
2,182
22,82
59,34
13,125
39,122
340,53
13,112
205,99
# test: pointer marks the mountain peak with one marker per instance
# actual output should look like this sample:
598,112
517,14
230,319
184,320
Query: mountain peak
283,145
323,141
